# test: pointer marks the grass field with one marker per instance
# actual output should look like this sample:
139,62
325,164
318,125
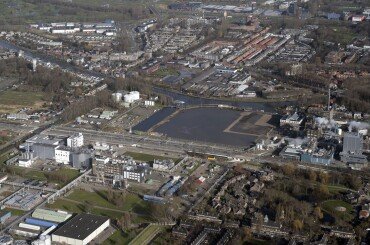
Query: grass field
20,12
120,237
166,72
28,173
11,101
146,235
131,202
330,205
14,211
76,203
73,207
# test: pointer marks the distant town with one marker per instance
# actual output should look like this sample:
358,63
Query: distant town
177,122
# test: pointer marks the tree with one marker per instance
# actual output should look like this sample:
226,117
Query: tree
318,213
312,175
125,221
352,181
88,206
297,225
246,234
288,169
324,177
160,211
320,192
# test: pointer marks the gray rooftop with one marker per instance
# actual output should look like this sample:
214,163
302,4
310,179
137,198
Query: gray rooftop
81,226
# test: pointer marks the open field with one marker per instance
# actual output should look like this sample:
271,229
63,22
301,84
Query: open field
80,207
20,12
131,202
11,101
120,237
146,235
66,175
253,123
15,212
331,205
97,202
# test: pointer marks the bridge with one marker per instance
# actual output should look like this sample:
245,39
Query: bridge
67,187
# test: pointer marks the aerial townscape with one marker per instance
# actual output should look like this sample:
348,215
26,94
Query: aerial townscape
220,122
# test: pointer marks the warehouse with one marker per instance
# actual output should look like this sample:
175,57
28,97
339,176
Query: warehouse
81,229
50,215
24,200
40,222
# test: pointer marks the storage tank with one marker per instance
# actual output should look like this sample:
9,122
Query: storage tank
117,97
131,97
28,226
43,240
39,222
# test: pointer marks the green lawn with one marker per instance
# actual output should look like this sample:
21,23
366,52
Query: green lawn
120,237
27,173
11,101
15,212
4,157
20,98
166,72
24,11
146,235
131,202
73,207
336,189
68,173
61,176
67,206
330,205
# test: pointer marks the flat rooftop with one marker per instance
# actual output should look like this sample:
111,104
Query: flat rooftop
81,226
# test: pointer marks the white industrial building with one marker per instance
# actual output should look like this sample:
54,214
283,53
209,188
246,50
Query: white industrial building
294,120
81,229
76,140
149,103
134,173
131,97
117,97
62,155
163,164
